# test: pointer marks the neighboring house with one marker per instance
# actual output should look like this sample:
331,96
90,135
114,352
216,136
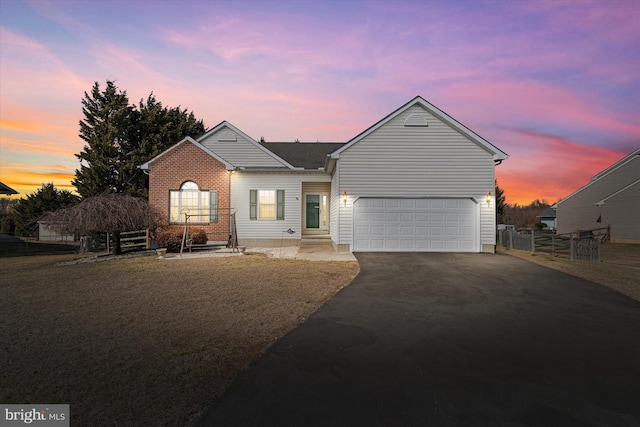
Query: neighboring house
548,217
5,189
417,180
612,197
48,234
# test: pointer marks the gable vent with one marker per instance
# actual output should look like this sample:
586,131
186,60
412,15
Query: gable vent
227,136
416,120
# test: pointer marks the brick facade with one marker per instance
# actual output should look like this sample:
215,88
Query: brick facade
189,163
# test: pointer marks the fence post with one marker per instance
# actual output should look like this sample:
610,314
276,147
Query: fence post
510,239
598,240
571,246
533,240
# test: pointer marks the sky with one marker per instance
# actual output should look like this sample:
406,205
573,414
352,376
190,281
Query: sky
556,85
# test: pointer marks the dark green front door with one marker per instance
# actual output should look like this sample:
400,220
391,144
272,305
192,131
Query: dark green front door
313,211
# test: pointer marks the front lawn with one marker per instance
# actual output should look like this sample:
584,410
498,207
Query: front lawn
145,341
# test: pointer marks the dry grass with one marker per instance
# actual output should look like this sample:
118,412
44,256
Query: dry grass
619,269
144,341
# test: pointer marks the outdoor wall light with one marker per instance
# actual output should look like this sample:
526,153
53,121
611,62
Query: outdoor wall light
344,198
488,198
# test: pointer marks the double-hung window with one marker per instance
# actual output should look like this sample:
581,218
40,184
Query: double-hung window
201,206
266,204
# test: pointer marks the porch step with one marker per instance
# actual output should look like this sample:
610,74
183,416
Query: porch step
316,243
316,239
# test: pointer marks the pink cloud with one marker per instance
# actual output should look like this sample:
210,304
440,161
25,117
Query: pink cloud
553,169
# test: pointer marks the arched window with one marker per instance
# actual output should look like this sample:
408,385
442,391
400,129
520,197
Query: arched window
202,206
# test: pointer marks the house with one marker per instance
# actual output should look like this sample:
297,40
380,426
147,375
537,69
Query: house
548,217
612,197
417,180
5,189
48,234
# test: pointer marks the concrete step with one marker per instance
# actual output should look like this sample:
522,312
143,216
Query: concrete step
316,243
319,240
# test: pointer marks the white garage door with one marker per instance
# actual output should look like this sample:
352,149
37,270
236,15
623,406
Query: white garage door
428,225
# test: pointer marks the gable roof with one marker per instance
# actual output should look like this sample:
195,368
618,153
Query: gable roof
418,100
226,124
550,212
633,156
188,139
622,190
307,155
5,189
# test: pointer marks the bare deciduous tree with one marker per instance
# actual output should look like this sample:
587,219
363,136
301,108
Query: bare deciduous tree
110,213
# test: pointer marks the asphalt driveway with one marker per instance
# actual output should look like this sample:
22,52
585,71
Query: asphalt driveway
450,339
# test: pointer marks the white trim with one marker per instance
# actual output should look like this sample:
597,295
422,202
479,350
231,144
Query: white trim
418,100
229,166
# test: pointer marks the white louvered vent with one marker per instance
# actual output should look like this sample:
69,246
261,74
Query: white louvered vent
416,120
227,136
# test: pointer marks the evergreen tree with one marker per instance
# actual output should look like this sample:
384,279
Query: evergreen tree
501,208
120,137
47,199
154,128
104,132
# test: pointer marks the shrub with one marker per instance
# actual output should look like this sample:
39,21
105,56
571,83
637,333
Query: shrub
199,236
171,237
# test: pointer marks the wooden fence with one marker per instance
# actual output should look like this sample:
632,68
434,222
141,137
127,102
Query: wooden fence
134,240
581,245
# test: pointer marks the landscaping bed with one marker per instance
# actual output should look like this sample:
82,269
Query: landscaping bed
147,341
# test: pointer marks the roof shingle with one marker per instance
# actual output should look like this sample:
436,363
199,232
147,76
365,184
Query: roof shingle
307,155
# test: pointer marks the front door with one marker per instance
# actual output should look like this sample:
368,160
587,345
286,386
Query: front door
316,211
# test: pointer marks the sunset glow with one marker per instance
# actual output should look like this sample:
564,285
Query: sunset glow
554,84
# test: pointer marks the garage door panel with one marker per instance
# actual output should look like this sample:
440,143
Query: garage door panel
415,225
391,216
407,216
408,231
436,231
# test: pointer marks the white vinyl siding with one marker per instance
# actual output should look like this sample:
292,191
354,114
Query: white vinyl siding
241,152
411,162
291,183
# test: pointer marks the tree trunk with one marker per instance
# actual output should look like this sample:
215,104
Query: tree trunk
117,249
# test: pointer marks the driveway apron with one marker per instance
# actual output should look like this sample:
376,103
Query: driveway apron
449,339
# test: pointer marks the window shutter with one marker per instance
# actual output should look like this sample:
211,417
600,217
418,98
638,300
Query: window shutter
213,206
253,204
280,204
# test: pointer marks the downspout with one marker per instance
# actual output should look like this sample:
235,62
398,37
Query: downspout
229,207
338,211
